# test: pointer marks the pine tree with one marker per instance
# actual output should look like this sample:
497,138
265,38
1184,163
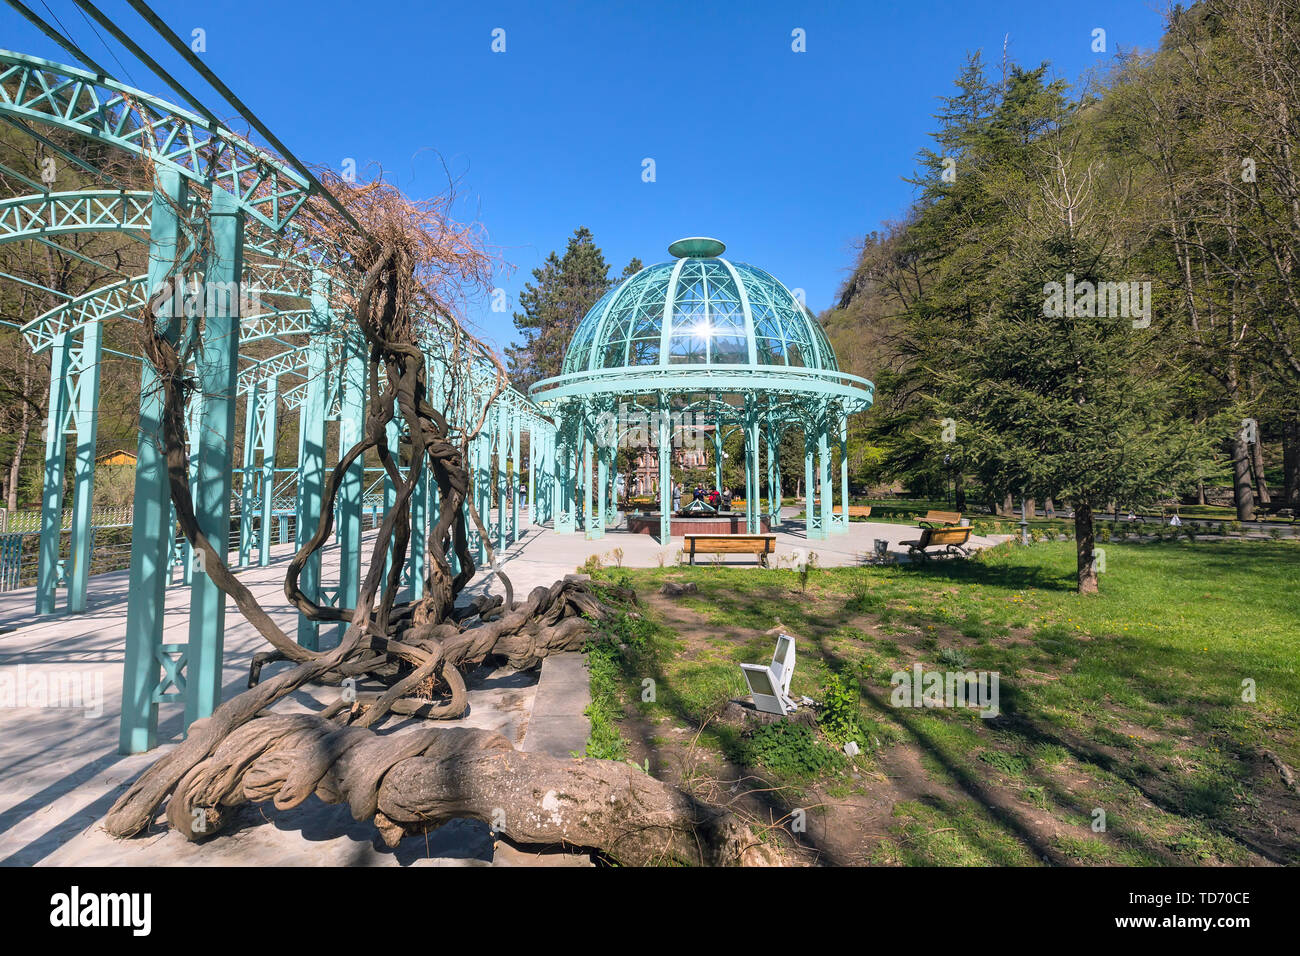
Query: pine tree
563,291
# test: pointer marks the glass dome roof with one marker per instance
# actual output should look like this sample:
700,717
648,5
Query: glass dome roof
699,310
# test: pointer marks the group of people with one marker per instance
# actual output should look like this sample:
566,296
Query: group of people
721,500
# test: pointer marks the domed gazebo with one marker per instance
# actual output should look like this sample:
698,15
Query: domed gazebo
697,346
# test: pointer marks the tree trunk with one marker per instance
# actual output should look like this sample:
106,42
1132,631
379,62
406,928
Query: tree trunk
959,491
20,440
1031,508
1243,494
1291,462
1200,492
1008,509
1257,466
1084,548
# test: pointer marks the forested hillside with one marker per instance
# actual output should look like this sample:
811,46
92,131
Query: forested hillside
1095,295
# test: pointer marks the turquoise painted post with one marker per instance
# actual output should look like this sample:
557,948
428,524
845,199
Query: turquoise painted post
588,526
419,529
812,518
246,495
86,421
394,433
717,455
824,479
217,368
352,410
752,525
312,425
269,437
842,525
152,528
192,428
512,482
501,465
56,453
596,516
773,476
665,472
534,449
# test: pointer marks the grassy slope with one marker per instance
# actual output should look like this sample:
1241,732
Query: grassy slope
1130,702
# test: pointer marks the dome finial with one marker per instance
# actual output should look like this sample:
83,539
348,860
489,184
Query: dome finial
697,247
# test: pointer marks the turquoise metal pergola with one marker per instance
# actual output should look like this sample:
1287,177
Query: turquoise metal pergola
699,342
214,183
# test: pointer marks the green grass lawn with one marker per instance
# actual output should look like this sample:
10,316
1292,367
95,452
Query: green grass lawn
1130,702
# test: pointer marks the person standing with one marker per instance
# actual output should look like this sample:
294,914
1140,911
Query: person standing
677,497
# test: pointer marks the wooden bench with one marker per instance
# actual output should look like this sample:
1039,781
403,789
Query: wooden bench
951,539
940,519
759,544
856,511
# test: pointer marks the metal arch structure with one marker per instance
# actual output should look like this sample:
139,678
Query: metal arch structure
103,110
692,345
211,181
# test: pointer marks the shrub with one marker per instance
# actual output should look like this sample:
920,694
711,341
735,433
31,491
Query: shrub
841,711
789,750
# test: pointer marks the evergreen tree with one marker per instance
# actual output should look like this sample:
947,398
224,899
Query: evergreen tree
565,288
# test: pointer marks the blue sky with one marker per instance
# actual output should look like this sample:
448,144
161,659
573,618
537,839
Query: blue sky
787,157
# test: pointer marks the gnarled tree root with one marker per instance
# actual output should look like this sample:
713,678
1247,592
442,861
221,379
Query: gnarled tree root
409,782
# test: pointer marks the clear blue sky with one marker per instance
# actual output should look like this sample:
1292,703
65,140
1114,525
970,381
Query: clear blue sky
787,157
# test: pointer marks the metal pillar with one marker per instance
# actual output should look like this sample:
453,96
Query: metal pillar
217,368
665,472
352,409
151,528
773,476
268,436
247,491
842,525
85,416
313,414
752,462
56,455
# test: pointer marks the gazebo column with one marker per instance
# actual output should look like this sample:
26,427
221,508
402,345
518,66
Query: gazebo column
534,449
717,455
56,457
247,494
217,367
419,529
564,466
193,425
827,487
393,431
773,476
596,523
502,465
85,419
352,408
588,524
842,422
268,436
665,439
752,525
812,517
152,530
313,414
512,480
